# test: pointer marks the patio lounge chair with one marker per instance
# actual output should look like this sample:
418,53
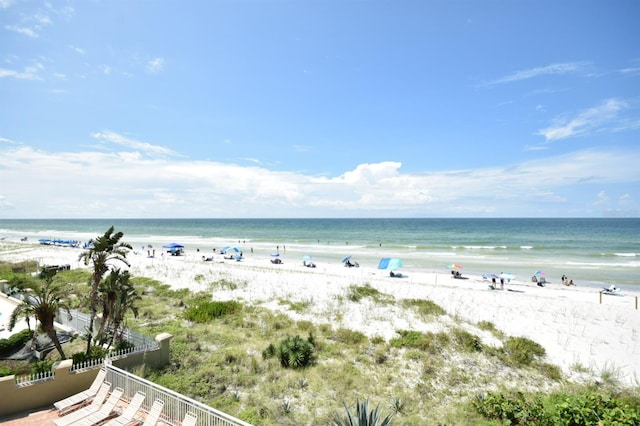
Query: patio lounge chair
190,419
106,411
129,413
84,396
89,409
154,414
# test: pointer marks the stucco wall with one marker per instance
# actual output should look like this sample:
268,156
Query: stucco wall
16,399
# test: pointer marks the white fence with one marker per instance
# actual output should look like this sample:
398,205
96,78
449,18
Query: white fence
175,404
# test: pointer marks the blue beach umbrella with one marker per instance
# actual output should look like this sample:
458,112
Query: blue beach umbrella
307,257
275,254
390,263
344,259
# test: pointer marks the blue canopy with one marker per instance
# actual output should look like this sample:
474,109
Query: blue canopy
227,248
173,246
390,263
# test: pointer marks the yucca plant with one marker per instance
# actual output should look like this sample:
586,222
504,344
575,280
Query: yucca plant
363,416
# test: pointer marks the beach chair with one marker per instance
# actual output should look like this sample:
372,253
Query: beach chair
190,419
154,414
129,413
87,410
106,411
84,396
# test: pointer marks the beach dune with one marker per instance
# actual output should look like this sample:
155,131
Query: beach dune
583,332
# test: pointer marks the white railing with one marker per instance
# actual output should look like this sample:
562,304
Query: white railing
31,379
175,404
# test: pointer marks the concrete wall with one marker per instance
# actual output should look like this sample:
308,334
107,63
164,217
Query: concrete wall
16,399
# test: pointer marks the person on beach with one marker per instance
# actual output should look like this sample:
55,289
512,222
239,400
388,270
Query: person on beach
501,282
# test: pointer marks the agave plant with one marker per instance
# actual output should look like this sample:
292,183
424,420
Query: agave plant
363,416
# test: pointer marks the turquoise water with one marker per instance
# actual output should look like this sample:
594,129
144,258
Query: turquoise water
590,251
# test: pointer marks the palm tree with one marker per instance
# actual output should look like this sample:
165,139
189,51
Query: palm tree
102,251
118,296
42,299
127,297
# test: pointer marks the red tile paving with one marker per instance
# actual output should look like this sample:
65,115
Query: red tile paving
43,416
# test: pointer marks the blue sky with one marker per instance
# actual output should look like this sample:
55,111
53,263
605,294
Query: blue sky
319,108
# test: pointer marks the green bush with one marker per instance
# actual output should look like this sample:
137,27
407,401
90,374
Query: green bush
594,409
357,293
520,351
41,367
14,342
206,311
467,341
425,307
344,335
588,408
6,371
293,352
513,409
428,342
96,352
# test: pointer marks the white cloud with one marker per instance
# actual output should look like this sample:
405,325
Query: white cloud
5,140
78,50
144,180
5,4
586,121
22,30
155,65
553,69
138,146
30,73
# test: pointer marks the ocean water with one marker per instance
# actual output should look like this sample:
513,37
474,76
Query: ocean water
589,251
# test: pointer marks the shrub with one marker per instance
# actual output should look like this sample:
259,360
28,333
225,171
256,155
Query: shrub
344,335
520,351
293,352
206,311
469,342
429,342
41,367
424,307
14,342
593,408
513,409
357,293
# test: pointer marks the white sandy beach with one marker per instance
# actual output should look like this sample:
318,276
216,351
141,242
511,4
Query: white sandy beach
570,322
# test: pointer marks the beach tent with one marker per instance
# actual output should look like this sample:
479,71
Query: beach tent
390,263
173,246
230,248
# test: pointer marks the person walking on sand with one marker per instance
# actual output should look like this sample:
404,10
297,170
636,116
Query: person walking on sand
501,281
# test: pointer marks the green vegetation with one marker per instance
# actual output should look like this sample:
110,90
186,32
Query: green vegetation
15,341
357,293
363,416
560,408
207,311
252,363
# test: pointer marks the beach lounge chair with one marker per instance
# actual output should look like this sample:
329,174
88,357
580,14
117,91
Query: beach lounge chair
190,419
612,289
154,414
129,413
94,407
84,396
106,410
